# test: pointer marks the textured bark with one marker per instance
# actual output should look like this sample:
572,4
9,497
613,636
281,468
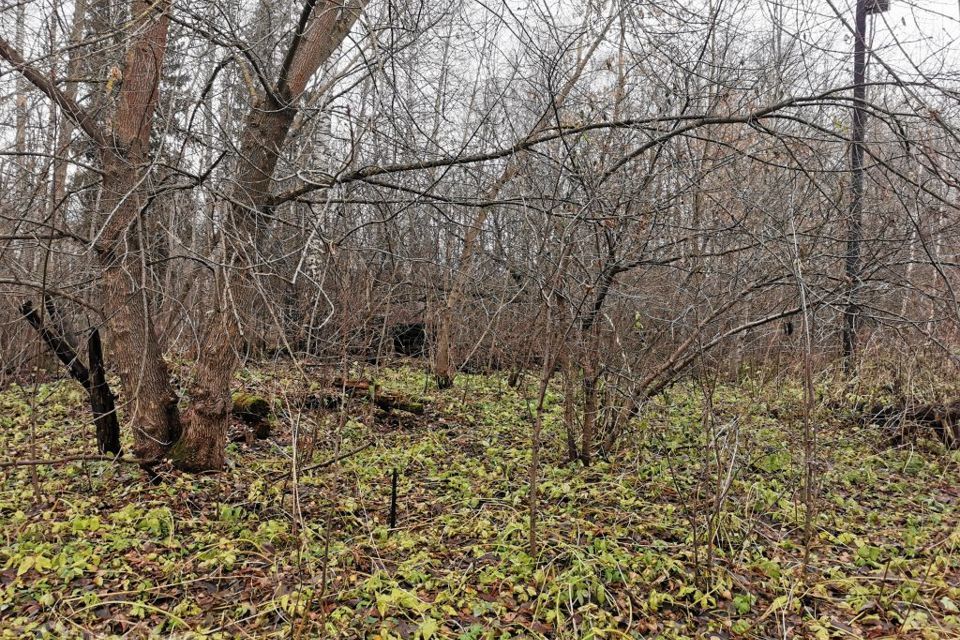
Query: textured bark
124,155
320,32
152,404
202,445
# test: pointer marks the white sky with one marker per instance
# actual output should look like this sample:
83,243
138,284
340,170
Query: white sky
926,31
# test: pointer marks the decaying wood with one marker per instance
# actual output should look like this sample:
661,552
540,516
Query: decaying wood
93,379
903,420
254,411
102,400
398,402
354,387
340,389
58,344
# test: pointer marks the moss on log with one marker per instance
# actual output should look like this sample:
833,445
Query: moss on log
253,410
392,401
364,390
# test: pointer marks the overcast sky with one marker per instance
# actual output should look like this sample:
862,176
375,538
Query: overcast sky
926,31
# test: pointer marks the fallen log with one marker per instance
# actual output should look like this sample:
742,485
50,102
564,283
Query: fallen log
397,402
904,420
254,411
354,387
385,400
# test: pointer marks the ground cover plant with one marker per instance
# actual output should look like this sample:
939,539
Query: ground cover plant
682,532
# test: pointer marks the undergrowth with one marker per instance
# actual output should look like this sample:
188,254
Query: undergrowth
635,546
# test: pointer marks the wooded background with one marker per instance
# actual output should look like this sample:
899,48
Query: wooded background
619,190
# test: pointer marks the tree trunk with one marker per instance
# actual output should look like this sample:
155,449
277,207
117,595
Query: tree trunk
152,404
151,408
65,133
101,399
202,444
589,410
124,155
570,409
92,379
320,32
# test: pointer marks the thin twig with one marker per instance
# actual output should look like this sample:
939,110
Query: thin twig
326,463
55,461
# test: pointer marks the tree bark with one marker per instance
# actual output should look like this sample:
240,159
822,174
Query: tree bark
320,32
93,379
58,344
589,409
570,409
102,401
124,152
202,444
152,403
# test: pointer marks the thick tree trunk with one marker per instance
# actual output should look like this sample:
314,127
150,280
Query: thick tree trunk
204,437
320,32
124,153
202,444
152,404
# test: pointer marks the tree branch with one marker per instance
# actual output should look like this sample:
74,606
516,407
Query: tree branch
87,458
69,106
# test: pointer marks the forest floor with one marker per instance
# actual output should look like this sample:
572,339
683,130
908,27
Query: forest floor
91,549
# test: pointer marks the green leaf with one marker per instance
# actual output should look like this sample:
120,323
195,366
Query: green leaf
428,627
25,565
742,603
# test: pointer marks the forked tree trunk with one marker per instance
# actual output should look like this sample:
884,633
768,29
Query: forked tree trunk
124,153
320,31
92,378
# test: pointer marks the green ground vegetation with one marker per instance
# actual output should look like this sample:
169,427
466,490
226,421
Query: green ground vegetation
688,530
